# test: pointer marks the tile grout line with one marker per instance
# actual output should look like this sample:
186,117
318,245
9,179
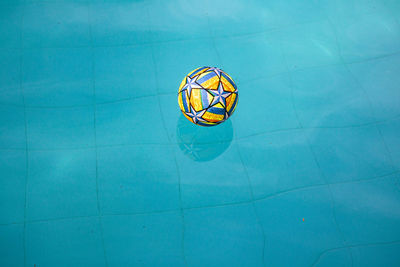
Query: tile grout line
252,201
245,202
332,199
250,187
269,132
391,13
333,204
212,37
25,131
129,44
326,184
99,212
181,210
322,175
367,97
91,104
353,246
162,94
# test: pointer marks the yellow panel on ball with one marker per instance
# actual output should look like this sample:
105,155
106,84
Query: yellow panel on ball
227,85
211,83
230,101
207,96
195,99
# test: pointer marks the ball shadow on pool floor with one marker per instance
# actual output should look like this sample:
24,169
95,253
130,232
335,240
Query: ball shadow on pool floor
203,143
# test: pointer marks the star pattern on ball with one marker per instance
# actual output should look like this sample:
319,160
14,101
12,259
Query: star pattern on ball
214,99
191,84
196,116
219,95
216,71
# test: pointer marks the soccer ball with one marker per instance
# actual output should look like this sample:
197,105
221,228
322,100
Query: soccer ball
207,96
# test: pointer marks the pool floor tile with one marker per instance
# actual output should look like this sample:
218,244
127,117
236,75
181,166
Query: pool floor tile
393,6
69,242
376,254
12,245
279,162
135,121
124,72
12,185
357,43
310,45
10,26
177,20
378,75
137,179
334,257
390,131
264,57
211,174
55,24
239,18
61,184
119,23
271,110
12,127
341,9
172,115
293,12
160,238
282,219
10,91
174,60
330,97
57,77
347,154
63,128
368,211
212,237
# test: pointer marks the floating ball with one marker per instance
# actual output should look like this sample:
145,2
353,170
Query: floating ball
207,96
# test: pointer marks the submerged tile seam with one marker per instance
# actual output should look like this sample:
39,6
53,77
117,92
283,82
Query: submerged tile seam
212,37
89,105
353,246
93,78
375,58
242,82
249,183
332,199
252,202
238,203
181,211
321,173
250,188
367,97
391,13
300,188
129,44
389,154
24,241
240,139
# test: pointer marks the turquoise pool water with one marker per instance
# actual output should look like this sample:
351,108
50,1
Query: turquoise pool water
99,168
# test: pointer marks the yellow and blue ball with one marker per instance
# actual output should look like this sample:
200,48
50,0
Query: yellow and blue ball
207,96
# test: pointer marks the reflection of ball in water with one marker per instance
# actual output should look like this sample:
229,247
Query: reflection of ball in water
203,144
207,96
